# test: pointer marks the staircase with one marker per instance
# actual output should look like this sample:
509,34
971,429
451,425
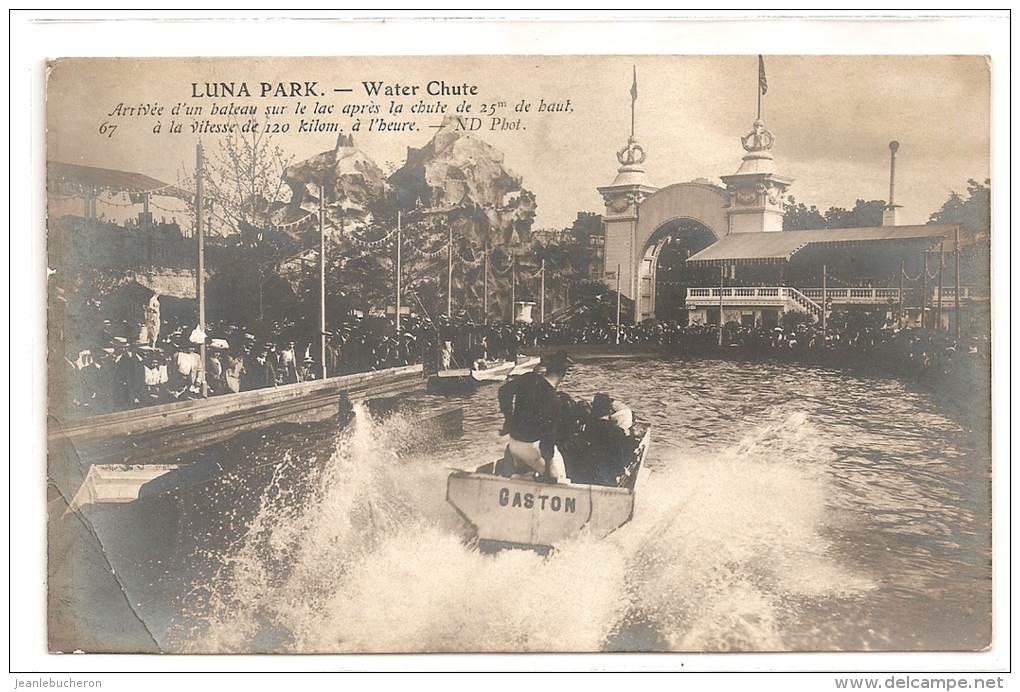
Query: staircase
809,306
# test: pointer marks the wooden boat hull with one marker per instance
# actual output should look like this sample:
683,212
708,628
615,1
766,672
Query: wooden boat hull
519,512
464,379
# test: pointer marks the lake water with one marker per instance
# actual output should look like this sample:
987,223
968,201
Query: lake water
789,508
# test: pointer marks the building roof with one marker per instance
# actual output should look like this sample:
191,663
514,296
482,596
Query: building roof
73,178
781,247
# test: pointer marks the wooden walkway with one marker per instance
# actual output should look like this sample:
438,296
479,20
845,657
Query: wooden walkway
153,434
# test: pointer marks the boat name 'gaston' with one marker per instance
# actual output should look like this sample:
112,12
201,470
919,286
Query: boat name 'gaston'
532,501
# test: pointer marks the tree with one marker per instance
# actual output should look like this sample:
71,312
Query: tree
863,215
244,181
245,194
973,215
798,217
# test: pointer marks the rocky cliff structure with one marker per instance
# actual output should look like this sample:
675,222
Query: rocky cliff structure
345,178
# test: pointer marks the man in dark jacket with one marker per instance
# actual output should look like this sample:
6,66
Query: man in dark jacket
531,413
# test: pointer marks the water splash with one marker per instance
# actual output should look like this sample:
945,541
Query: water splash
730,551
356,550
362,554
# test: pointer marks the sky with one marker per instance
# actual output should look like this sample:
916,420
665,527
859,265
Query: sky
832,116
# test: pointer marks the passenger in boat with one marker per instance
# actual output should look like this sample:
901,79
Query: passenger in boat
610,443
531,412
619,414
573,439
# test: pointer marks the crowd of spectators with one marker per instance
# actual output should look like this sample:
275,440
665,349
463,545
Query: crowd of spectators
116,370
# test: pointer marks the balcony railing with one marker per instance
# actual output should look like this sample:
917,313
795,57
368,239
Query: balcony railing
810,299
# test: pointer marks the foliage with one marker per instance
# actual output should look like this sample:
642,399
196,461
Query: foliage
799,217
243,190
244,181
973,215
863,215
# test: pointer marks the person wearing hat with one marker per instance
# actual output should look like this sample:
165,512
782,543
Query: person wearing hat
609,440
306,371
616,412
233,370
288,365
98,382
531,413
264,370
184,369
214,367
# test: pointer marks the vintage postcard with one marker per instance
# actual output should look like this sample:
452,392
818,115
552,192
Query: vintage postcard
519,353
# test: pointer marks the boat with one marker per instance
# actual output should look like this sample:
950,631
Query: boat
523,512
484,372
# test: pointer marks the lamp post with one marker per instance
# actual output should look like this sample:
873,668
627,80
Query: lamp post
397,298
542,298
200,278
449,269
618,302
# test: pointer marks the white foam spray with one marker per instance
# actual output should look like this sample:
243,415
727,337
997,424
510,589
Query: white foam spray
364,555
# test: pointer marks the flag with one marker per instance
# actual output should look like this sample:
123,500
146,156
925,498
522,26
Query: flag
633,87
763,83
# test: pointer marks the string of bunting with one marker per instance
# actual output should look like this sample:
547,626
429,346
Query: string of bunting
370,243
910,278
81,191
114,204
158,189
429,255
506,269
169,211
938,267
292,224
537,273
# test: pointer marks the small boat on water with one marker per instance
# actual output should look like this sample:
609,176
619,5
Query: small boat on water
484,372
522,512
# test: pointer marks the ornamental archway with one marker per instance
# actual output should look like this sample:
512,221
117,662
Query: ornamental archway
664,273
685,217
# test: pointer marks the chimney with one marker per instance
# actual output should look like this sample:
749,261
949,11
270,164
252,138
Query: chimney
889,213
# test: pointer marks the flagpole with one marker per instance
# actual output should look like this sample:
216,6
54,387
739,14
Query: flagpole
763,83
633,101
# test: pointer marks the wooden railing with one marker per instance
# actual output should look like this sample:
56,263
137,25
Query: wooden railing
243,410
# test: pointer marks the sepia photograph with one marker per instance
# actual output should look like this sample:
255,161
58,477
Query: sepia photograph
512,353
